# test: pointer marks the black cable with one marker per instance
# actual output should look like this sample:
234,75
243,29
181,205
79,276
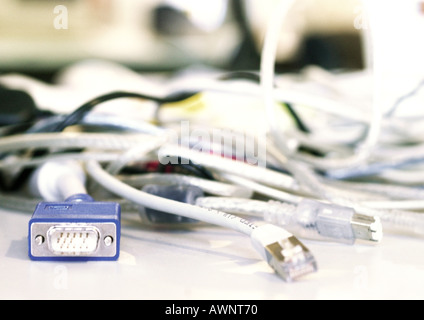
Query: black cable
247,56
188,167
3,186
241,74
76,116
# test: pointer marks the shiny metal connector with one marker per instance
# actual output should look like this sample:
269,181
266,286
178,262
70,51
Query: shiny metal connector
72,240
367,227
290,258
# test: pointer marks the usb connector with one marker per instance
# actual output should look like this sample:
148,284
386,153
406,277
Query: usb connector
308,219
316,220
366,227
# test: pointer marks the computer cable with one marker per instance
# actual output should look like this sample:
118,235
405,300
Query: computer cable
306,176
255,78
403,98
406,221
310,219
408,176
216,188
268,183
73,140
301,190
280,180
268,57
284,253
212,186
33,146
76,116
267,75
267,80
99,121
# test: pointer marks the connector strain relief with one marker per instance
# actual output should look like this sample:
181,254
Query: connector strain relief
79,197
180,193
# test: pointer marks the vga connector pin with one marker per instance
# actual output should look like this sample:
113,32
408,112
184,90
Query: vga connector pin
76,229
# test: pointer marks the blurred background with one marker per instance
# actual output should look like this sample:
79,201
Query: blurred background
39,37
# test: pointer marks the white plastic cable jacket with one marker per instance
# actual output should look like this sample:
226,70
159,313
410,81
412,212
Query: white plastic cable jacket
334,195
275,212
134,153
404,177
208,186
16,162
267,73
261,189
409,223
397,204
56,181
302,99
372,190
174,207
309,219
217,163
107,141
400,152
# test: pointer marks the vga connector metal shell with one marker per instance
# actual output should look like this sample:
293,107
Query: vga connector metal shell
83,230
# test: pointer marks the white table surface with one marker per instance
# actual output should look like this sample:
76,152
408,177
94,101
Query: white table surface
208,263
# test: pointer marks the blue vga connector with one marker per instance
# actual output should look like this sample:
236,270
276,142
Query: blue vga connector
78,229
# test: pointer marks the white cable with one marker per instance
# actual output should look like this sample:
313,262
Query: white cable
134,153
395,204
405,177
400,153
403,221
283,252
57,181
158,203
251,207
16,162
296,97
268,58
123,123
107,141
208,186
309,219
261,189
279,180
373,190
